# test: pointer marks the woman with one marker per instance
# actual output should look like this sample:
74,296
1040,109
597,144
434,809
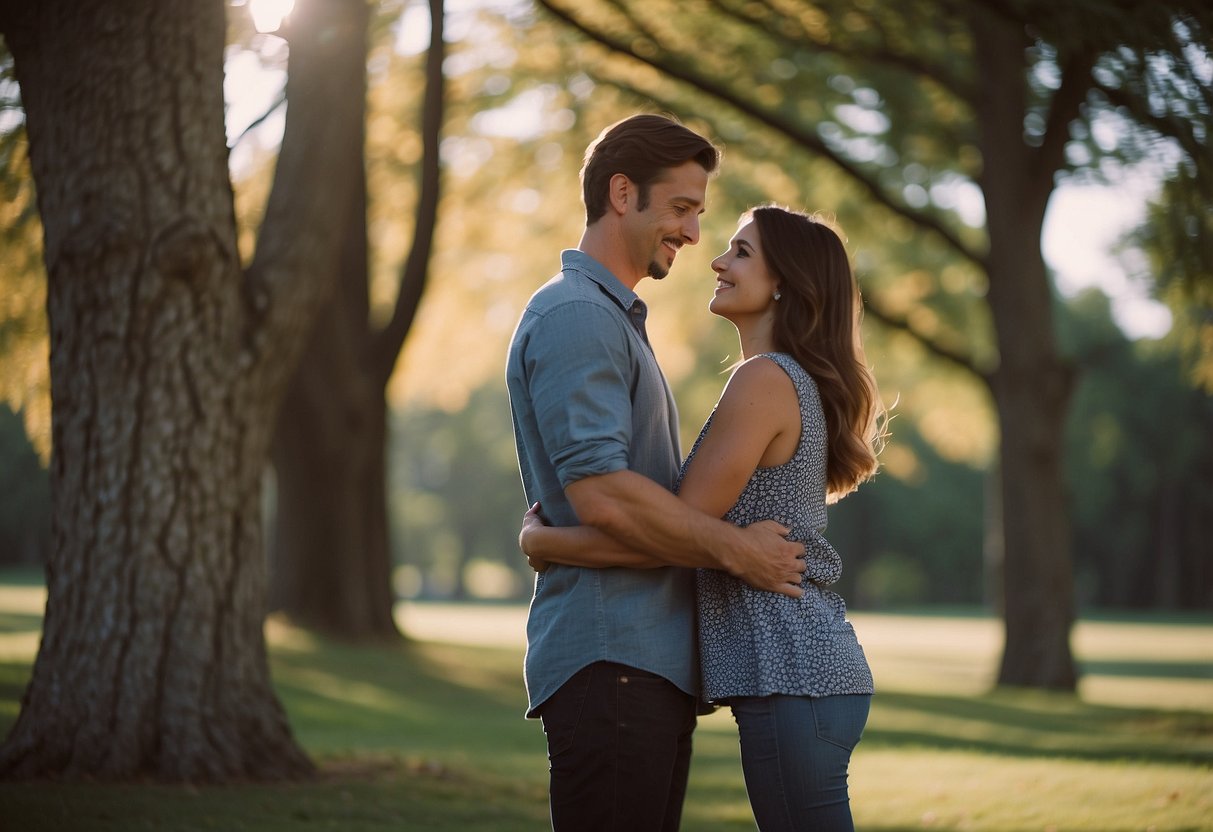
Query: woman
798,426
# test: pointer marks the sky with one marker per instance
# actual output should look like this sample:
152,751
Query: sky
1083,224
1082,228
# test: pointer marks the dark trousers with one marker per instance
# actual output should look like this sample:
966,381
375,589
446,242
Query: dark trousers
619,748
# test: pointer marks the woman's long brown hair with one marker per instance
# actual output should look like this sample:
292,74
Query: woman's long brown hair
817,321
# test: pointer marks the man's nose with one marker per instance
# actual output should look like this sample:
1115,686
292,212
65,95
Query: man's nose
690,230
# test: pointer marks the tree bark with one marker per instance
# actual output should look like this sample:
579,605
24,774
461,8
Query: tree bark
331,556
167,364
1032,385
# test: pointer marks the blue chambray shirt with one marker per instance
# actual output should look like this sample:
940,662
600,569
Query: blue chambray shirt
588,398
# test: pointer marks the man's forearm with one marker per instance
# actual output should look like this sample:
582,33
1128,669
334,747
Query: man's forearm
635,510
581,546
646,517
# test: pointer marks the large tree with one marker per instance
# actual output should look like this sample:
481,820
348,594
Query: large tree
912,101
330,555
168,361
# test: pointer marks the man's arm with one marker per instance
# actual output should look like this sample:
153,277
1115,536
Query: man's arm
628,520
758,408
644,516
576,546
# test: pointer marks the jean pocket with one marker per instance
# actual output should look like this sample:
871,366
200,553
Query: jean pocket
840,720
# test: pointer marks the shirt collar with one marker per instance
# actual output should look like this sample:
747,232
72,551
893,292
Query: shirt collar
579,261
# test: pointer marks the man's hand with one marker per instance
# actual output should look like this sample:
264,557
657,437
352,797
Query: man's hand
768,560
531,521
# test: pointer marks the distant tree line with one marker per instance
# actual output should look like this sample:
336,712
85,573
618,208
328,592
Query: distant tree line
1139,451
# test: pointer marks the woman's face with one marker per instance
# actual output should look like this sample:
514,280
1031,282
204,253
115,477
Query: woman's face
745,287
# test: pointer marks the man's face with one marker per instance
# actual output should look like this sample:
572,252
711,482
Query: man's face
669,221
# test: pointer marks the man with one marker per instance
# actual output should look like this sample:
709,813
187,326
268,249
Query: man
611,658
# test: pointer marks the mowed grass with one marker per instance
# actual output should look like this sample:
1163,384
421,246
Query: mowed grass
430,736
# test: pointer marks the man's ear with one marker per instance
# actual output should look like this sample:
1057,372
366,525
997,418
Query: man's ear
621,193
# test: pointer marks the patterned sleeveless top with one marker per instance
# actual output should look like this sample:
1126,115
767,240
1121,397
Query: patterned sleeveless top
755,643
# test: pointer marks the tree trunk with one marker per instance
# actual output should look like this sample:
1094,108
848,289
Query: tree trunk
993,540
330,563
331,558
1031,386
167,363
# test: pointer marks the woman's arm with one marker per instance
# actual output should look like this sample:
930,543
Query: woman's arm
756,424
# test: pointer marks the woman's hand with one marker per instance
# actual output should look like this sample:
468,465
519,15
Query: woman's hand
531,521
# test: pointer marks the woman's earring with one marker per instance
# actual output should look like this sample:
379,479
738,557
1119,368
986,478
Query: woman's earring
777,296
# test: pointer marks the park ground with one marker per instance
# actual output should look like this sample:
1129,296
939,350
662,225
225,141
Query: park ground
429,735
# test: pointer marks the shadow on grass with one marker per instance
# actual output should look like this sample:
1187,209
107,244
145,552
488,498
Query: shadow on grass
460,706
1027,723
15,622
408,737
31,577
463,705
1158,670
430,736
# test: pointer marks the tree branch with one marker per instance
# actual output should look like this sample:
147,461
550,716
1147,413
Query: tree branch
389,341
960,359
806,139
295,265
259,120
914,65
1063,109
885,318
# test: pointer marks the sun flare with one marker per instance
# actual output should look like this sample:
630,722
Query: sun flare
269,14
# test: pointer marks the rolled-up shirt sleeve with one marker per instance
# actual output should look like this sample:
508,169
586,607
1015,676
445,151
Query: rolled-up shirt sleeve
579,376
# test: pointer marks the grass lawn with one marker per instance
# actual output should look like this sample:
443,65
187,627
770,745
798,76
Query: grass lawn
430,735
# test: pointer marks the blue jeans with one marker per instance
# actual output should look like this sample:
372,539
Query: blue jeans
794,752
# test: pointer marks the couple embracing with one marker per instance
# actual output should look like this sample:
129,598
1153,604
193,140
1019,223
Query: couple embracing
666,587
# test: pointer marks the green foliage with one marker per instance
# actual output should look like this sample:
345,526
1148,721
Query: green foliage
1138,450
1177,242
526,95
885,95
24,347
457,499
891,579
913,538
1140,461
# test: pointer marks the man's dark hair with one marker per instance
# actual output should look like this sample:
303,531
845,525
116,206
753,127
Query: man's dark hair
640,147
